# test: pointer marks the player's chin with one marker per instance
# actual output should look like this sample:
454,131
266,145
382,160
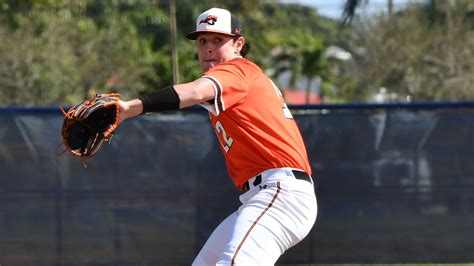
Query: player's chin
206,65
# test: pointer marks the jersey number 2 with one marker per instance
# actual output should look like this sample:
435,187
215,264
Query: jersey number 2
228,141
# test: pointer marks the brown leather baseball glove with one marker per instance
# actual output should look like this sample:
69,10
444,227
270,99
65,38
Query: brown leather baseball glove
87,125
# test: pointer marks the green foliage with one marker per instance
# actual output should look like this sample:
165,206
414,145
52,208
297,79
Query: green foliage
412,54
61,51
55,54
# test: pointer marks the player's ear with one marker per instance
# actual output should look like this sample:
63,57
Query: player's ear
239,44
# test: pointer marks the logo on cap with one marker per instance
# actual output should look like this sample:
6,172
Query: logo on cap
211,20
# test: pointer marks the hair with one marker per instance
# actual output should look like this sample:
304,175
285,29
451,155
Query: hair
245,49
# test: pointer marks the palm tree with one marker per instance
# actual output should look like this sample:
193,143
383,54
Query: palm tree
351,5
301,57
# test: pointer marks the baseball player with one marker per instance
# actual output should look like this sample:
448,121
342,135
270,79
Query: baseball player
264,151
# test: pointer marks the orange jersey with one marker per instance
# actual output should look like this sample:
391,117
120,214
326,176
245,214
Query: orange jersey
251,120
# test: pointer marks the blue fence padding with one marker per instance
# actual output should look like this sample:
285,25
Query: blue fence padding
386,106
342,106
395,184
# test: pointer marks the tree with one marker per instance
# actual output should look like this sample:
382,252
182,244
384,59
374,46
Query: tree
301,56
55,54
417,54
350,7
60,52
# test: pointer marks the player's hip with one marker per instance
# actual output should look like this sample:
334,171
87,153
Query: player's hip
285,194
280,208
291,177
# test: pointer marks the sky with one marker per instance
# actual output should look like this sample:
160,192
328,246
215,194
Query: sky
333,8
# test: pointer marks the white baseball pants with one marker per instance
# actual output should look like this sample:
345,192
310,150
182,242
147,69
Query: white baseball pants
274,216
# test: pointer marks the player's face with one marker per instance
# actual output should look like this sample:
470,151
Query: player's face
214,48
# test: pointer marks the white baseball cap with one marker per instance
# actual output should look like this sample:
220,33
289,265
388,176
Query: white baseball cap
216,20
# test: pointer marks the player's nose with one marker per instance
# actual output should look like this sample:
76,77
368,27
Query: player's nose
210,46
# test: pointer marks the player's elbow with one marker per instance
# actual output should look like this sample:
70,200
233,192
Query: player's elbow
194,93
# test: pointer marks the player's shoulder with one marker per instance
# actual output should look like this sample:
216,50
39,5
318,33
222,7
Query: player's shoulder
240,63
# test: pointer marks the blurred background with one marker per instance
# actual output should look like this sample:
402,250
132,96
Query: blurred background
331,51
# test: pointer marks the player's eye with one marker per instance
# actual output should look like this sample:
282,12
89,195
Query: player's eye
201,41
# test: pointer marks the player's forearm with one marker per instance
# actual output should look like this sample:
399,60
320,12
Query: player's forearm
130,108
170,98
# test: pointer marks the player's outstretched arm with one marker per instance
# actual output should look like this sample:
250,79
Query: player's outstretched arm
129,109
171,98
196,92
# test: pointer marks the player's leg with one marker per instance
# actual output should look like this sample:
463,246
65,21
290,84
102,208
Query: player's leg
214,246
270,221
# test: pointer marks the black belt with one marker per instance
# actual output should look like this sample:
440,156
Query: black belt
258,179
